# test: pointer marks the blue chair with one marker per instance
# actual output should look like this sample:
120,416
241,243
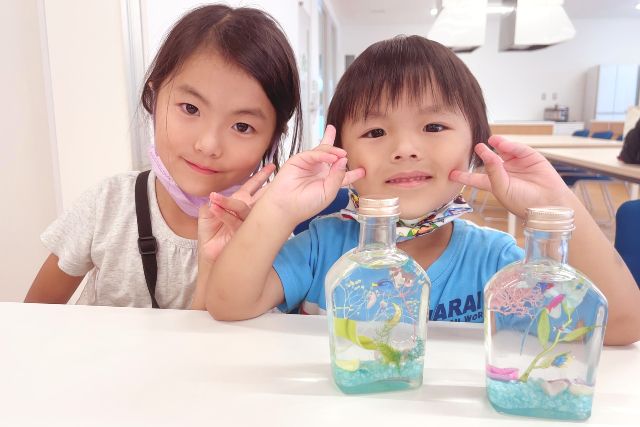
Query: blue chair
628,236
581,133
620,138
340,202
605,134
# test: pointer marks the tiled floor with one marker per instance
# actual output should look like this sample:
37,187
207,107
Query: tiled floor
494,215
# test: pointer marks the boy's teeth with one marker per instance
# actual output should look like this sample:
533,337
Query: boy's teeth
415,178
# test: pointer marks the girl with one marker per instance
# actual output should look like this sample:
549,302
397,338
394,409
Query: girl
409,116
220,92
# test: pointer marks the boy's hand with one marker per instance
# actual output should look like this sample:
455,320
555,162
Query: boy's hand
308,182
219,220
518,176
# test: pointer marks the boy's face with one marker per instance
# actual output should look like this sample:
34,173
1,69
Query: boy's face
408,151
213,123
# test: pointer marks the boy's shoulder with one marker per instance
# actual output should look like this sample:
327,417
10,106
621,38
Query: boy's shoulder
473,232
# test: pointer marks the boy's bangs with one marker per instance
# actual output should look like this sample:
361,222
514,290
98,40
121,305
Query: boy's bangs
386,90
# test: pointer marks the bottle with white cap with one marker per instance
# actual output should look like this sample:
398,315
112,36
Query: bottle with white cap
377,305
544,326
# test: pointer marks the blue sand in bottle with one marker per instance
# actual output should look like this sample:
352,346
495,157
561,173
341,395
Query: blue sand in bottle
376,377
529,399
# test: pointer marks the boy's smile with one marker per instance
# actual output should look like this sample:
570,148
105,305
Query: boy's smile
409,179
408,150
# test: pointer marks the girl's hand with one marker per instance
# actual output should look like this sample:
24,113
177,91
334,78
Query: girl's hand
518,176
308,182
219,220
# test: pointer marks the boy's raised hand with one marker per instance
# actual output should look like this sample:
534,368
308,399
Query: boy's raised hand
517,175
219,220
309,181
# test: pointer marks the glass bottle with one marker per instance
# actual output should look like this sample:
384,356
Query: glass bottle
377,305
544,326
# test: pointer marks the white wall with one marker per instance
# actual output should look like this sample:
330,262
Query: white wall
513,82
89,90
26,169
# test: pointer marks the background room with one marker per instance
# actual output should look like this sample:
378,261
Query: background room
73,71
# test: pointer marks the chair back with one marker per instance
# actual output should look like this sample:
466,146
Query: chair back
606,134
340,202
627,240
581,133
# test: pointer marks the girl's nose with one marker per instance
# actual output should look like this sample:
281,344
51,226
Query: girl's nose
209,144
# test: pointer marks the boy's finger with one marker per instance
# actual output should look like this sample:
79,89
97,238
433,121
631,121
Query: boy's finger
352,176
336,176
329,135
494,167
258,179
476,180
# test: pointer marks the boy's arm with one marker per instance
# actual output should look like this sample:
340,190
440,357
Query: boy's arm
520,177
242,283
52,285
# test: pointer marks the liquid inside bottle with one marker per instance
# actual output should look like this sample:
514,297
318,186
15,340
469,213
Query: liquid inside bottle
377,307
544,327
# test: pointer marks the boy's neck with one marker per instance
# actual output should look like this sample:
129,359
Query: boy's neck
179,222
427,249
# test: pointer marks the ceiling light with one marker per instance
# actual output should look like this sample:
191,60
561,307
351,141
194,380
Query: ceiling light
638,6
434,11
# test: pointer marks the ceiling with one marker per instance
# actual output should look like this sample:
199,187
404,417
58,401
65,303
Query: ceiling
416,12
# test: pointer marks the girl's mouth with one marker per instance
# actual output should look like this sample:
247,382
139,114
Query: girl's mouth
200,169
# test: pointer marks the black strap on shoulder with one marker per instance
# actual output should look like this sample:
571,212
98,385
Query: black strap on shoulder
147,244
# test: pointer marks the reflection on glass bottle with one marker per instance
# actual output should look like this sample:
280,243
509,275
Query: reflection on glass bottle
544,326
377,306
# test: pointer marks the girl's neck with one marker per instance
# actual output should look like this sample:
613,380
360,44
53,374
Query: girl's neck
179,222
427,249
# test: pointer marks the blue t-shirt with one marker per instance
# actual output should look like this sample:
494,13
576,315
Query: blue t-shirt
458,276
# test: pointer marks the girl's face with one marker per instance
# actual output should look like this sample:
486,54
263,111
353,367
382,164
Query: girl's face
213,123
408,151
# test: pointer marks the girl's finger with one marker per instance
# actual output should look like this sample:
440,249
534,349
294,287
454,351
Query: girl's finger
232,205
258,179
229,220
331,149
317,156
329,135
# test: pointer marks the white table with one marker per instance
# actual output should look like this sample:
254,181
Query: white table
596,158
563,141
101,366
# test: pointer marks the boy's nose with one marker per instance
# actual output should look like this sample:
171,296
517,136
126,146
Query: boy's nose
406,150
209,144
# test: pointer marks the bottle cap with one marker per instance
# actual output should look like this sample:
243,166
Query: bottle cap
378,205
550,218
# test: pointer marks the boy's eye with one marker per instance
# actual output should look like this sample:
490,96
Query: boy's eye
190,109
375,133
243,127
434,127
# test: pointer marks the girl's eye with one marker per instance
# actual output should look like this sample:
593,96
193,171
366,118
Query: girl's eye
243,127
434,127
190,109
375,133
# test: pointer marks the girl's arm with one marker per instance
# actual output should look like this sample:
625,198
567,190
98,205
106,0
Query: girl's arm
242,283
520,177
52,285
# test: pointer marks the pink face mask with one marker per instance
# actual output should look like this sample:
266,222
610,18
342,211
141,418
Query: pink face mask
188,203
